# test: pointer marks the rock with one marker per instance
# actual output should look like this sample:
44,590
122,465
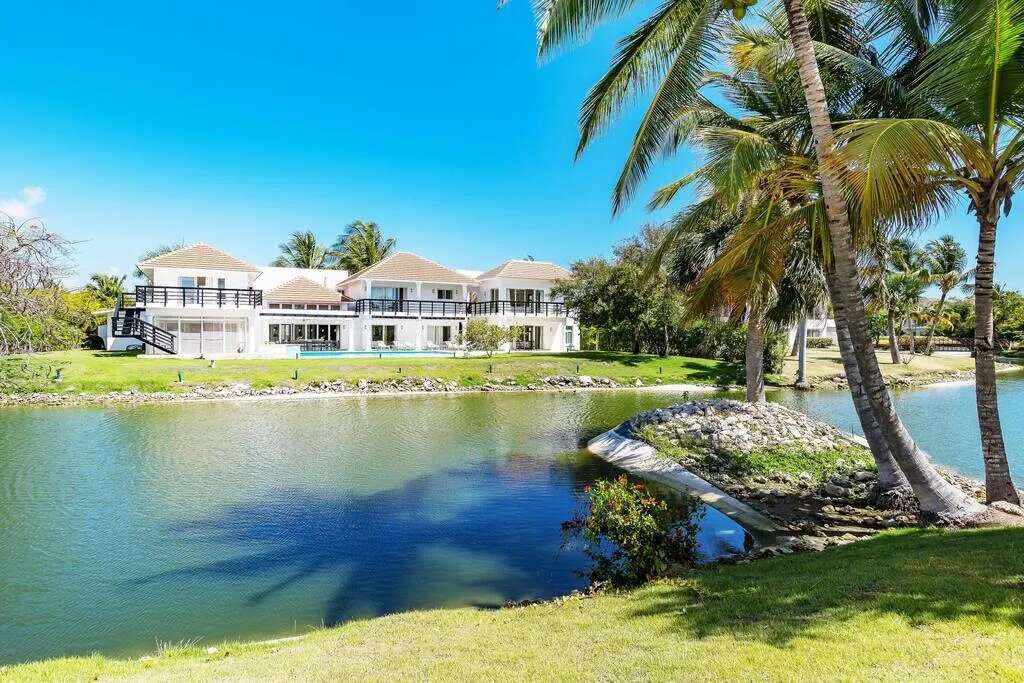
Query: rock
840,481
586,381
362,384
211,650
1008,508
828,509
638,382
864,476
805,477
834,491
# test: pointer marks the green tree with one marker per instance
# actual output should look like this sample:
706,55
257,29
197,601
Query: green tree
947,263
962,133
105,288
362,245
302,250
670,54
480,335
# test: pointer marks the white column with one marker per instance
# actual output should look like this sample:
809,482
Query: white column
351,336
419,336
558,344
367,337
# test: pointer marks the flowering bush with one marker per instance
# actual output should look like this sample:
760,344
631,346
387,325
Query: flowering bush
631,535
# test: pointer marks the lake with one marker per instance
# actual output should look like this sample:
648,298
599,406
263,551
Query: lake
942,418
126,526
122,527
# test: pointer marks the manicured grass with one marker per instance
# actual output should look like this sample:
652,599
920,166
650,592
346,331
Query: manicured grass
100,372
907,605
827,363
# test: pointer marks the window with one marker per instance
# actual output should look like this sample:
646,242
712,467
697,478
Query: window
383,333
201,281
275,305
445,294
221,283
300,332
274,334
568,337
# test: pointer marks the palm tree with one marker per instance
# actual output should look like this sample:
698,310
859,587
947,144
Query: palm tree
105,287
362,245
153,253
947,262
302,250
671,52
963,132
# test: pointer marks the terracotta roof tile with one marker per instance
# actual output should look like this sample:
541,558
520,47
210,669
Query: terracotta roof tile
405,266
303,290
527,270
201,256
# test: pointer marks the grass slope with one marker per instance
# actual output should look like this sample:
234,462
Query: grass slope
827,363
905,605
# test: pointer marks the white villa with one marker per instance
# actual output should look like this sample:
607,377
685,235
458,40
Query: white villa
202,301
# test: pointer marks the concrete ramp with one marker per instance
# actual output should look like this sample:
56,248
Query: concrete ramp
636,457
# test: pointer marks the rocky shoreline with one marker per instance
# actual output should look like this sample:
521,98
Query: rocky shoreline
829,503
407,385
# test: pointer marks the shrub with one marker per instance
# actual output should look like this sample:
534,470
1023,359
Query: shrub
819,342
630,535
774,352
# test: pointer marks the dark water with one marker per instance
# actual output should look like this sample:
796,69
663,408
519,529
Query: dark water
124,526
942,418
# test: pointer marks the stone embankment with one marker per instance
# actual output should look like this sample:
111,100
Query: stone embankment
829,504
362,386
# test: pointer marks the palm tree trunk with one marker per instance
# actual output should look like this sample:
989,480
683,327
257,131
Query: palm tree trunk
894,338
910,324
935,323
755,355
893,487
998,484
801,360
938,498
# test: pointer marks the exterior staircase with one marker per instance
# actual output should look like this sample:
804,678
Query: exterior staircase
126,322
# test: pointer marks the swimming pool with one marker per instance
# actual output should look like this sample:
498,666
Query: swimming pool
374,354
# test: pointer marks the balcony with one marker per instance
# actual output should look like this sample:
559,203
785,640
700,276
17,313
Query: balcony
411,308
551,309
200,297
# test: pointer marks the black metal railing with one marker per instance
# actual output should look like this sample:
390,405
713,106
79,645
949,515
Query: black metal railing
514,308
320,345
421,308
197,296
127,323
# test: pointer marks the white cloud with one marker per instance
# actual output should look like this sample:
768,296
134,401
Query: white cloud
23,208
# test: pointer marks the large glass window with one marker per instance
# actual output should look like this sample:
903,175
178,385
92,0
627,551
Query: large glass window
383,333
446,294
274,334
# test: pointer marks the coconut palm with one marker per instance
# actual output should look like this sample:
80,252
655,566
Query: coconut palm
963,133
362,245
105,287
670,53
302,250
947,263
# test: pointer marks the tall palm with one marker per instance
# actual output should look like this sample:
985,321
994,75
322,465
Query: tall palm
947,262
302,250
671,52
963,133
105,287
362,245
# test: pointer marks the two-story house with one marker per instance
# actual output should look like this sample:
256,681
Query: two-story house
201,301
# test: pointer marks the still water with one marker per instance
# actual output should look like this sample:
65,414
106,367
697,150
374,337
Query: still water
125,526
942,418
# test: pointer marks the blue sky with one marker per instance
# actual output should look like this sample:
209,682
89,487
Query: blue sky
136,124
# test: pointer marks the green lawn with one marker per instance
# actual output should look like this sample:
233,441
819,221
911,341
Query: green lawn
100,372
96,372
906,605
827,363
